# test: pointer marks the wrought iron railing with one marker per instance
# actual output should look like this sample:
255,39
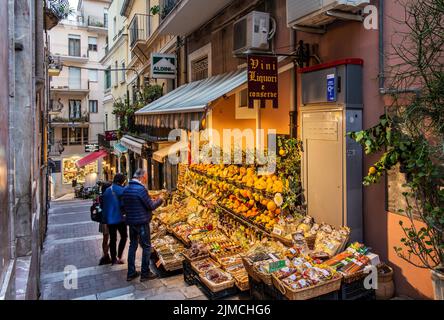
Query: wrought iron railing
140,28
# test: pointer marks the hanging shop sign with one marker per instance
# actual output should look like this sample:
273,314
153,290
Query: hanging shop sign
262,81
163,66
112,135
91,148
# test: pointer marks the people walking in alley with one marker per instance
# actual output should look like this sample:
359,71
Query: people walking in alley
103,228
114,218
138,207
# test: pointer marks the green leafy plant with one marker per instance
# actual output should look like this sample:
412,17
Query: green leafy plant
288,164
154,10
60,8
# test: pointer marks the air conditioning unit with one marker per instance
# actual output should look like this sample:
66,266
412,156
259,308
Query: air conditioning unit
317,13
251,33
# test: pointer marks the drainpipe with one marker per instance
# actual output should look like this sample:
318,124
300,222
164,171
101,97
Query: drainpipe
381,48
294,85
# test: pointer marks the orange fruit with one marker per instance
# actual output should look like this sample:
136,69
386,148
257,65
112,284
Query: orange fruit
372,171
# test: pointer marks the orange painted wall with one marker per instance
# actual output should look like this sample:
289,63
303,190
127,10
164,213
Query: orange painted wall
409,279
279,119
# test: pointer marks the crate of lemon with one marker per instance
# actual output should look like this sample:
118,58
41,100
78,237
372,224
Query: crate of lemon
239,189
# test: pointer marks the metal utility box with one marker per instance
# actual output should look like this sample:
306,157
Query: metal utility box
332,169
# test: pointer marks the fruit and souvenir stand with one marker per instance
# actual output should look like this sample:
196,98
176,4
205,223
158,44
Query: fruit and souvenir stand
230,229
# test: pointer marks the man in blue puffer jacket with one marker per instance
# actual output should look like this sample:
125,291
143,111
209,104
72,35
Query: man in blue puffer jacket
138,207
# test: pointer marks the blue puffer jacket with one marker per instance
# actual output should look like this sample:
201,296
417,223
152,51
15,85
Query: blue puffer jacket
137,204
111,206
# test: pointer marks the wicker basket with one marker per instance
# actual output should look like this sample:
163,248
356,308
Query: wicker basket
242,285
284,241
308,293
248,264
193,265
354,277
217,287
205,256
265,277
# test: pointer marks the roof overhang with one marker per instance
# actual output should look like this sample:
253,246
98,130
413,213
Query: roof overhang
183,20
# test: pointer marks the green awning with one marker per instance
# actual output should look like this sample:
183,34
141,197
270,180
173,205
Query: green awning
119,149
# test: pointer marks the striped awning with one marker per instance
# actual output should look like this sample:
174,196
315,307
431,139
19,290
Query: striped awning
188,103
90,158
133,144
119,149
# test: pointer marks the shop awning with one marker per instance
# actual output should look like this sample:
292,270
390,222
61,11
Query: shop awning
132,144
190,99
119,149
91,158
160,155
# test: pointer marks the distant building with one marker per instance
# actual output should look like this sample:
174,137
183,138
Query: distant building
76,95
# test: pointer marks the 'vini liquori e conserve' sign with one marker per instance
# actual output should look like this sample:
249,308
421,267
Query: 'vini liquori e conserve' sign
262,81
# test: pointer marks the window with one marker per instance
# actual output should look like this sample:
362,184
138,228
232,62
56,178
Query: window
242,112
93,106
93,75
105,18
114,26
65,136
85,135
199,69
75,109
74,45
243,98
74,78
123,76
92,44
75,136
116,74
108,78
106,122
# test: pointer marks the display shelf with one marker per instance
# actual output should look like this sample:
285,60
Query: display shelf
231,214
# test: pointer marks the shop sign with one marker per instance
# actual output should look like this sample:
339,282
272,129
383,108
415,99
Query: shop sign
112,135
163,66
91,148
331,88
262,81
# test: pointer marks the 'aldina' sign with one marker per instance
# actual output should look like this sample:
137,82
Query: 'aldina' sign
163,66
262,81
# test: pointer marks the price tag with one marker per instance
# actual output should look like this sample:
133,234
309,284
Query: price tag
276,265
158,264
278,230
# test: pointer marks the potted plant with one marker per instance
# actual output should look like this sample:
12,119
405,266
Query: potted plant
410,137
56,10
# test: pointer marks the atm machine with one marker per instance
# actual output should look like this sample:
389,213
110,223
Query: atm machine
332,171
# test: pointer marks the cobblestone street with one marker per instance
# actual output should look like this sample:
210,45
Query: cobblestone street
73,240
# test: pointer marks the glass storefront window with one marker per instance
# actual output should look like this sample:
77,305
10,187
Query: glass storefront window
71,172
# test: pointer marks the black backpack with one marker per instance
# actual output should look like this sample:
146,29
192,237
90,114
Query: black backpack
96,210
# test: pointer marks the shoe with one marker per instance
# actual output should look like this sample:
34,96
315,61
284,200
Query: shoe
134,276
118,262
105,260
150,276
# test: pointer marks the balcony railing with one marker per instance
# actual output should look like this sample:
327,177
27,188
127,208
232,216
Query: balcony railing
96,22
103,142
166,6
140,28
74,119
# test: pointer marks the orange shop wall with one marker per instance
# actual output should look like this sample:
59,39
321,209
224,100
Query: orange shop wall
224,113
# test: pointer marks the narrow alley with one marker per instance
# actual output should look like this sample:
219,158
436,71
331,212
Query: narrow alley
73,240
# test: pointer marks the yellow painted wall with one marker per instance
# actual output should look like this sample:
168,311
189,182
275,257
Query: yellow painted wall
223,112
